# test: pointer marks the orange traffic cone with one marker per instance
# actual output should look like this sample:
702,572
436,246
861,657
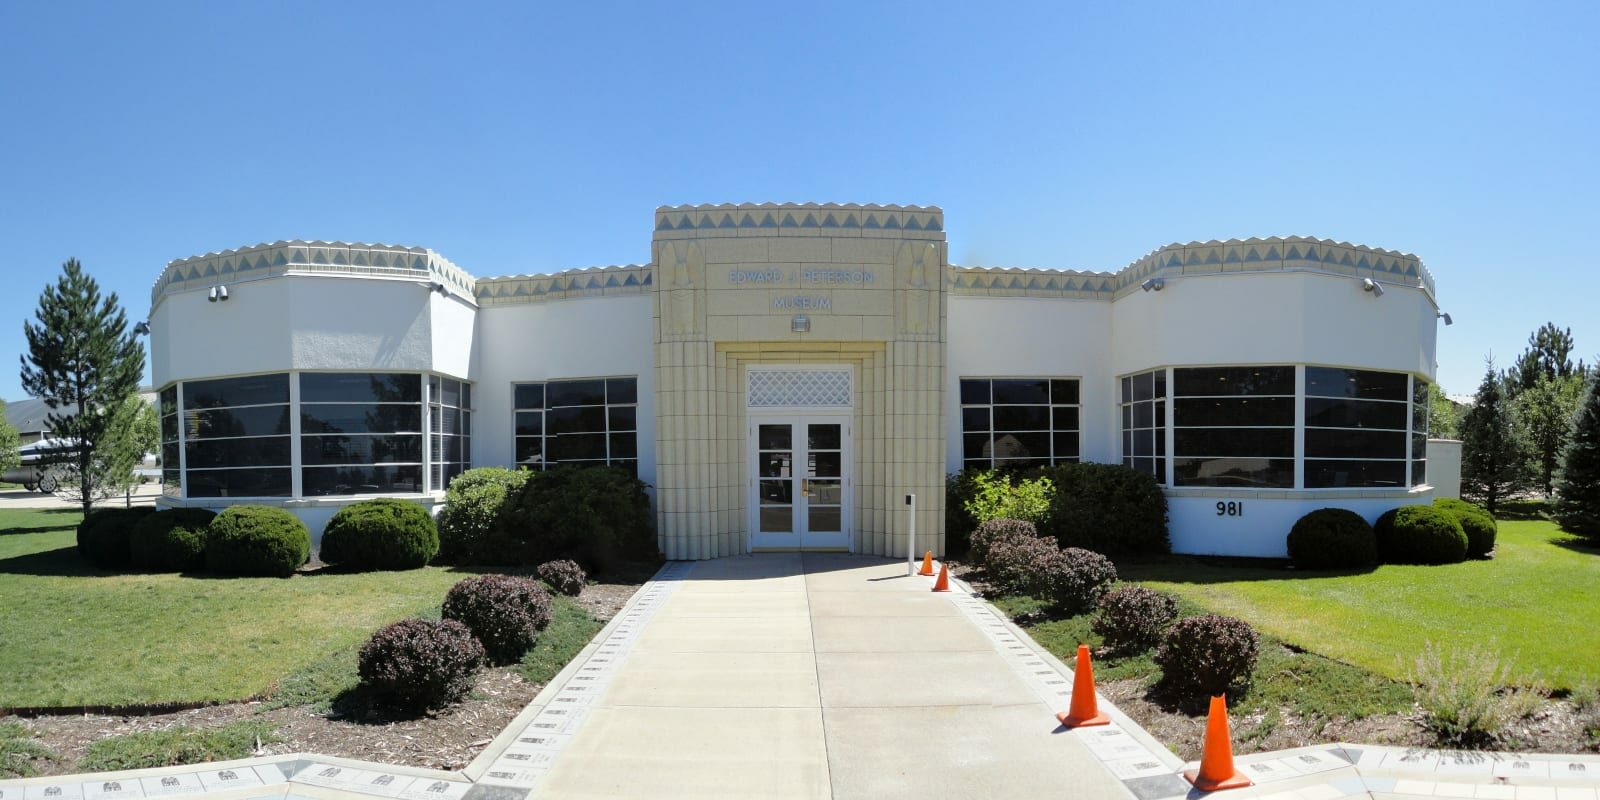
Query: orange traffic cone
1085,710
927,564
1216,757
943,582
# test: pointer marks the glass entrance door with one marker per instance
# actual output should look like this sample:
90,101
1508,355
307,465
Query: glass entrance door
800,483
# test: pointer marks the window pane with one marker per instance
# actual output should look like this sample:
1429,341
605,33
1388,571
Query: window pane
360,418
1066,445
1127,390
1064,392
1243,472
1022,445
250,421
1144,414
1355,444
1419,417
1161,383
1233,411
1335,474
530,451
360,387
529,423
168,400
622,391
1322,412
1419,473
1065,419
362,449
466,395
1355,383
169,428
623,418
1127,416
247,391
239,482
323,481
826,436
268,451
577,447
975,445
169,455
774,437
825,518
1022,418
576,419
527,395
1021,391
1144,387
624,445
975,419
824,465
1144,443
974,392
575,393
1262,442
1225,381
450,394
1419,445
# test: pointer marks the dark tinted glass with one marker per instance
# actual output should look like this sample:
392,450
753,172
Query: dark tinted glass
975,419
1355,383
1226,381
1144,443
1355,444
1262,442
1144,414
168,400
1419,473
823,437
975,392
1327,412
1027,390
1127,390
576,419
269,451
975,445
622,391
1419,392
1066,446
1022,445
624,445
1144,386
247,391
321,481
169,454
1021,418
1064,392
575,393
1259,473
1419,417
824,465
1419,445
530,423
1217,412
361,449
624,418
576,447
169,428
360,387
1161,383
1334,474
361,418
449,393
239,482
774,437
1065,419
530,450
527,395
466,395
444,419
250,421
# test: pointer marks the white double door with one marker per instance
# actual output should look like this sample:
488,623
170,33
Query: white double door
800,482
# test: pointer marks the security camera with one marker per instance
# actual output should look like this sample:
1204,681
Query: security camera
1370,285
1153,284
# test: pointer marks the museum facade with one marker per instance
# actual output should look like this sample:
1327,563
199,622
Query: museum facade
784,375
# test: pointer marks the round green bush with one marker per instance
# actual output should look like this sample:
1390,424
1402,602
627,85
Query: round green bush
1203,656
171,541
420,663
1107,508
1332,538
1075,579
1476,522
380,534
505,612
1021,564
987,534
1130,619
472,507
590,514
1420,535
257,540
104,535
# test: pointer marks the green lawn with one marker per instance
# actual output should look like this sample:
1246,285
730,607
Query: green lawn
74,636
1535,601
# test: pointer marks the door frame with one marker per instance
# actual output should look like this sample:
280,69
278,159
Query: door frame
798,418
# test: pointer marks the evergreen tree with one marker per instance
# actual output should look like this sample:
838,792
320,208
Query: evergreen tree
1444,415
1578,488
1549,355
83,359
10,443
1544,412
1493,455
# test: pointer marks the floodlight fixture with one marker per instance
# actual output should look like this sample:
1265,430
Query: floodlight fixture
1444,315
1370,285
1153,284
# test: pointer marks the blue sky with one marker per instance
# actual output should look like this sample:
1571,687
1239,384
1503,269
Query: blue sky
534,137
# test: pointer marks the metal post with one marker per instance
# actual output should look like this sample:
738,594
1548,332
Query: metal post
911,538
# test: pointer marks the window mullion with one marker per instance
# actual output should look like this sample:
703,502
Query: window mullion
296,484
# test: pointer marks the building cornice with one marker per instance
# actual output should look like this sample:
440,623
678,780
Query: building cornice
799,219
311,257
613,281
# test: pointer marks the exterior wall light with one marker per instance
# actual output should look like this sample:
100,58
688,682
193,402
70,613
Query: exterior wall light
800,324
1444,316
142,329
435,286
218,293
1370,285
1153,284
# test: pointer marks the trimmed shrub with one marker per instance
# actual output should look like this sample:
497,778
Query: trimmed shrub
591,515
959,487
171,541
383,533
420,663
1075,579
1420,535
994,531
257,540
1332,538
1476,523
1021,564
104,535
505,612
563,576
1130,619
1203,656
472,507
1107,508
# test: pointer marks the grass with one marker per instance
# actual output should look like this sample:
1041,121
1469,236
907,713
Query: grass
77,636
1533,603
19,751
176,745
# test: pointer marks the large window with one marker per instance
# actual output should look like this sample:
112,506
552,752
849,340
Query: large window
1420,408
1018,422
450,420
1144,423
236,437
589,421
1356,423
360,433
167,406
1233,426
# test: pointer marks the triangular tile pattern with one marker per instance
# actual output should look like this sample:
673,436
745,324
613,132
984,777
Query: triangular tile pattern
589,282
277,258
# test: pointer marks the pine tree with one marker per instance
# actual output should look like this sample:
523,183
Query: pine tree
83,359
1578,490
1544,412
1493,454
1548,355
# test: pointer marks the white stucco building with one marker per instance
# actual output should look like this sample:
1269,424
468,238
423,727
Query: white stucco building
783,375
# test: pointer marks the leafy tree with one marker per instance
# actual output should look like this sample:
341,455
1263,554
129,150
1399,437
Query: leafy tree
1544,411
1577,505
82,358
1548,355
10,454
1493,451
1444,415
